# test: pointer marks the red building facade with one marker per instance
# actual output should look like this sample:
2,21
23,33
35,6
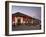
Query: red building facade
21,18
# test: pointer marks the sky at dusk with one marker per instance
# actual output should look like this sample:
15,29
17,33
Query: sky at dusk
34,12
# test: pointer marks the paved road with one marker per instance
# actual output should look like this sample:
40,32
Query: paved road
25,27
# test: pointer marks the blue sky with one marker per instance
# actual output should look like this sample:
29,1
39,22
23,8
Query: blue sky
34,12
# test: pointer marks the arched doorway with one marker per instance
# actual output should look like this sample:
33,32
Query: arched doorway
18,20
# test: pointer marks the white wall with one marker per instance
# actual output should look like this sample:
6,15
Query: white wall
2,19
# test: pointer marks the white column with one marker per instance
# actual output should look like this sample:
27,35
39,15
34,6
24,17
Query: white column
21,19
15,20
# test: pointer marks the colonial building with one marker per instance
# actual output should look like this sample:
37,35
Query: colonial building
21,18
